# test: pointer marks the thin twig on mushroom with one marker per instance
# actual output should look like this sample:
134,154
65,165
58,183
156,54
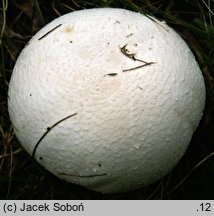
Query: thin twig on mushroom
84,176
125,52
49,32
48,130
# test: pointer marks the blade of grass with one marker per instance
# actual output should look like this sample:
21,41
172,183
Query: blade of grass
4,9
36,3
171,18
190,173
54,8
208,7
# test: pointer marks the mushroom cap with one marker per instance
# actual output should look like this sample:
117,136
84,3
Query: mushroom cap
131,90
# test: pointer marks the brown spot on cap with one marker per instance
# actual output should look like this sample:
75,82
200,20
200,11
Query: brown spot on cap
68,29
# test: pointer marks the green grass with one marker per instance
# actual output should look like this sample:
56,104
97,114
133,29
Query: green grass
23,178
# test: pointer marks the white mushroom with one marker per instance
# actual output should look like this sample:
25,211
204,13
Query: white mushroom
106,98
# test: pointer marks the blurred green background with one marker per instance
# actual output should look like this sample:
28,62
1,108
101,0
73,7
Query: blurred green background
23,178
